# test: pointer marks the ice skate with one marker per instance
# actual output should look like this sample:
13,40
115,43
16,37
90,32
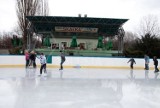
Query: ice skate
45,75
40,75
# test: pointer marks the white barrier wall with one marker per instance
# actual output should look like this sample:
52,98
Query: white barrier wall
71,61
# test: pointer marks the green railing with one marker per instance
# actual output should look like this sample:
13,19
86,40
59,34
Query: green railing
75,52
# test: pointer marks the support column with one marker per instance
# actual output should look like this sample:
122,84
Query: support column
121,34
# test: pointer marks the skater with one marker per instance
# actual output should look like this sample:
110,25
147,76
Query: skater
62,60
43,63
146,58
27,58
132,61
33,59
155,64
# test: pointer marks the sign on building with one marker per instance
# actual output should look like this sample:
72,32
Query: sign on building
76,29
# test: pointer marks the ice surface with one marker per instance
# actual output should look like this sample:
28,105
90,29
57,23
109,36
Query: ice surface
79,88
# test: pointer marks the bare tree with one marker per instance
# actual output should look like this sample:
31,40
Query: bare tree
149,25
129,36
5,40
44,9
29,8
129,39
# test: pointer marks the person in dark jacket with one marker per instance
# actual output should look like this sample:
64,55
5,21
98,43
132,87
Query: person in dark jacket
62,60
155,64
27,58
32,58
132,61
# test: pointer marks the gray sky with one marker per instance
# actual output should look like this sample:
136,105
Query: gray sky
133,10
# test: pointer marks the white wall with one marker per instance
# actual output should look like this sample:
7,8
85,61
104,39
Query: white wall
93,62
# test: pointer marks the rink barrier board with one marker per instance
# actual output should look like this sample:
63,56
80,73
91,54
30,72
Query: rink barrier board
7,61
67,66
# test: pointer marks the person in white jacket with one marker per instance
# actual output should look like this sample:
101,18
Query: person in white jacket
43,63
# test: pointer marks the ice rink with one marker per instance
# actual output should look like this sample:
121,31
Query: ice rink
79,88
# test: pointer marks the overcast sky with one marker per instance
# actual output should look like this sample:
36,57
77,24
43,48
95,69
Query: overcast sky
134,10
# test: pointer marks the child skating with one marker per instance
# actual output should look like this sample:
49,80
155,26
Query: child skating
43,63
132,61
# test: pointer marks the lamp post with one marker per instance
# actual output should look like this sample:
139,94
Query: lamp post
28,39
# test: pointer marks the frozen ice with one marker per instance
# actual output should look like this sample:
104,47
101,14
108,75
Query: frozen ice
79,88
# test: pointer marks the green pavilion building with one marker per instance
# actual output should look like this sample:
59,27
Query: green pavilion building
78,35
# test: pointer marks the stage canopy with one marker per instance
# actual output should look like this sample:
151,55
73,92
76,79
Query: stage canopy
103,26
